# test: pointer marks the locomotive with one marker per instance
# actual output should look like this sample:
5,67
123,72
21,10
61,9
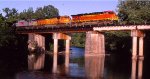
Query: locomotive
105,17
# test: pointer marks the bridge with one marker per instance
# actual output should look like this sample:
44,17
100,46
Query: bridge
95,39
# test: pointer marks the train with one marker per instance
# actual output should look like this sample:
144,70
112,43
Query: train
105,17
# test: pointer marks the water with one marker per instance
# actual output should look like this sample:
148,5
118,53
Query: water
114,66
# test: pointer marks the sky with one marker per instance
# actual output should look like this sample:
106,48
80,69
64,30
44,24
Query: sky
65,7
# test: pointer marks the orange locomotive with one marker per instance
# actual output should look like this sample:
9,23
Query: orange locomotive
106,16
54,21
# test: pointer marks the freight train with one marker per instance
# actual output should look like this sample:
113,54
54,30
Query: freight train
105,17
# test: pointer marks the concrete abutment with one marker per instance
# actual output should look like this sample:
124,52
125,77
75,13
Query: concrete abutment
36,47
95,43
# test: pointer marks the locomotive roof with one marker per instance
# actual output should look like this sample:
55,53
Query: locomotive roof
92,13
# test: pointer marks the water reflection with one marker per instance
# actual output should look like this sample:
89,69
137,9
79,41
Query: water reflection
137,68
133,71
55,63
67,63
94,66
140,68
36,61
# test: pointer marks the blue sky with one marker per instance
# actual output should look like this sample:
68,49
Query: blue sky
65,7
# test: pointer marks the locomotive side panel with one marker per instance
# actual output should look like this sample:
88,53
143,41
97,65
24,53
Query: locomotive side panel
33,23
106,16
41,22
52,21
22,23
64,20
75,19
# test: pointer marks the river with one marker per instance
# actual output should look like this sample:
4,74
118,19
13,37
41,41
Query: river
114,66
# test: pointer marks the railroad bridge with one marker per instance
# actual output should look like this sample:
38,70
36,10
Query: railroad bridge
95,39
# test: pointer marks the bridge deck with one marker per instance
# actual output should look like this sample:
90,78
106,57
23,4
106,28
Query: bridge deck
81,28
122,28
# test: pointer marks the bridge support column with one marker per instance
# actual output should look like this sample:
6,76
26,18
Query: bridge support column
137,53
67,46
67,52
55,55
55,46
36,48
134,47
137,43
141,41
95,44
56,37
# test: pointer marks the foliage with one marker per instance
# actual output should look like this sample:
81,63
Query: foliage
40,13
27,14
8,37
46,12
117,41
11,15
134,11
77,60
78,39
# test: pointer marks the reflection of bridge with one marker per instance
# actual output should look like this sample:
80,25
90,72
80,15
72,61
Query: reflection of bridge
95,40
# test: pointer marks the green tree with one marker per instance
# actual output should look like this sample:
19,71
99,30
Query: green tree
134,11
27,14
46,12
40,13
7,37
1,19
7,34
78,39
11,15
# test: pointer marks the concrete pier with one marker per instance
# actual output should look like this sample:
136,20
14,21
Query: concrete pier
36,55
67,38
67,46
137,54
141,47
95,44
137,43
55,46
134,47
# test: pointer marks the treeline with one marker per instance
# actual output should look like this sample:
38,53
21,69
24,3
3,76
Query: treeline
8,38
78,39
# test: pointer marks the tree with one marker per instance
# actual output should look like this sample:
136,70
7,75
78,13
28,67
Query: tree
40,13
46,12
1,18
27,14
134,11
7,37
7,34
78,39
11,16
